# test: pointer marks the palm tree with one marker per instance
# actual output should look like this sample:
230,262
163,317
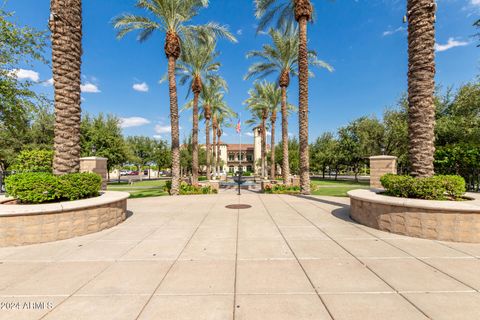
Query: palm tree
66,26
212,100
197,66
421,85
220,112
281,58
302,11
172,18
261,103
222,121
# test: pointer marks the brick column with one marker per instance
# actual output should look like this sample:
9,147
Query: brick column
96,165
379,166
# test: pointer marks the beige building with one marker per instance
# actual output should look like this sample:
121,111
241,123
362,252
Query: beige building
247,156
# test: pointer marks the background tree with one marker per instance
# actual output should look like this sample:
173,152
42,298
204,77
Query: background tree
162,156
323,152
171,17
142,150
66,27
101,136
421,85
293,155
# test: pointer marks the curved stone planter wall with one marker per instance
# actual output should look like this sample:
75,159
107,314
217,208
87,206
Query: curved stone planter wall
29,224
438,220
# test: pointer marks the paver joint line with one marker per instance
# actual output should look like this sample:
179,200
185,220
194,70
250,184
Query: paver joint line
298,261
360,261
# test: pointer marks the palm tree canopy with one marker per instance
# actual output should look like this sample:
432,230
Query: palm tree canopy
198,63
281,11
212,100
265,99
169,16
282,55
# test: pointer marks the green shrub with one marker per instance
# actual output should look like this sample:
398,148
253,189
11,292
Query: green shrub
188,189
33,187
433,188
281,189
80,185
38,187
34,161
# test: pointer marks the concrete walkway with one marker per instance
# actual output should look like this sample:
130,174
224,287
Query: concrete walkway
286,258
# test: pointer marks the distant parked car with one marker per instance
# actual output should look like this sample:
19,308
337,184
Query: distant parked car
124,172
133,173
145,172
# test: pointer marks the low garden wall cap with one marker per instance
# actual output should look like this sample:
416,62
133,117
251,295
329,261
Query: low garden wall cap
383,157
45,208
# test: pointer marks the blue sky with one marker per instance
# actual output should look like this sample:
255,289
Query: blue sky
364,40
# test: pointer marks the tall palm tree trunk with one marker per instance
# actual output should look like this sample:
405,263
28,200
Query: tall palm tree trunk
421,86
285,161
172,51
175,127
214,147
195,138
219,135
303,12
264,148
272,150
207,145
66,27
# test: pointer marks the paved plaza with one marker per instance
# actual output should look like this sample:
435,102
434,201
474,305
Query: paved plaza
285,258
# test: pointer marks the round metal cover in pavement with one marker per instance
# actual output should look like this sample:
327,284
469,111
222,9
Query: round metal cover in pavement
238,206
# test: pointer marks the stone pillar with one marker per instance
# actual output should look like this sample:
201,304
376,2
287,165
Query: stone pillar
96,165
379,166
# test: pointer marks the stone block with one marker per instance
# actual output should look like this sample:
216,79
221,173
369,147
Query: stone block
379,166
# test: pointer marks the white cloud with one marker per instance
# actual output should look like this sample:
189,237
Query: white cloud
451,43
475,2
391,32
239,32
140,87
157,136
161,129
26,74
133,122
250,134
89,88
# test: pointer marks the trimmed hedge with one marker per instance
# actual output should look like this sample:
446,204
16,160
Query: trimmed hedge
439,187
35,187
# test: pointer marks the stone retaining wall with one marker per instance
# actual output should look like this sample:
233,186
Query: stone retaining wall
438,220
30,224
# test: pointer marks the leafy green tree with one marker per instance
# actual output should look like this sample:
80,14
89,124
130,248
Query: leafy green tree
101,136
162,156
18,45
323,153
142,150
293,155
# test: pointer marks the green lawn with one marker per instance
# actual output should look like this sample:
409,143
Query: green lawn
337,188
140,189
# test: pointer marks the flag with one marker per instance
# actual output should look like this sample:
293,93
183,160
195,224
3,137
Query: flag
239,126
